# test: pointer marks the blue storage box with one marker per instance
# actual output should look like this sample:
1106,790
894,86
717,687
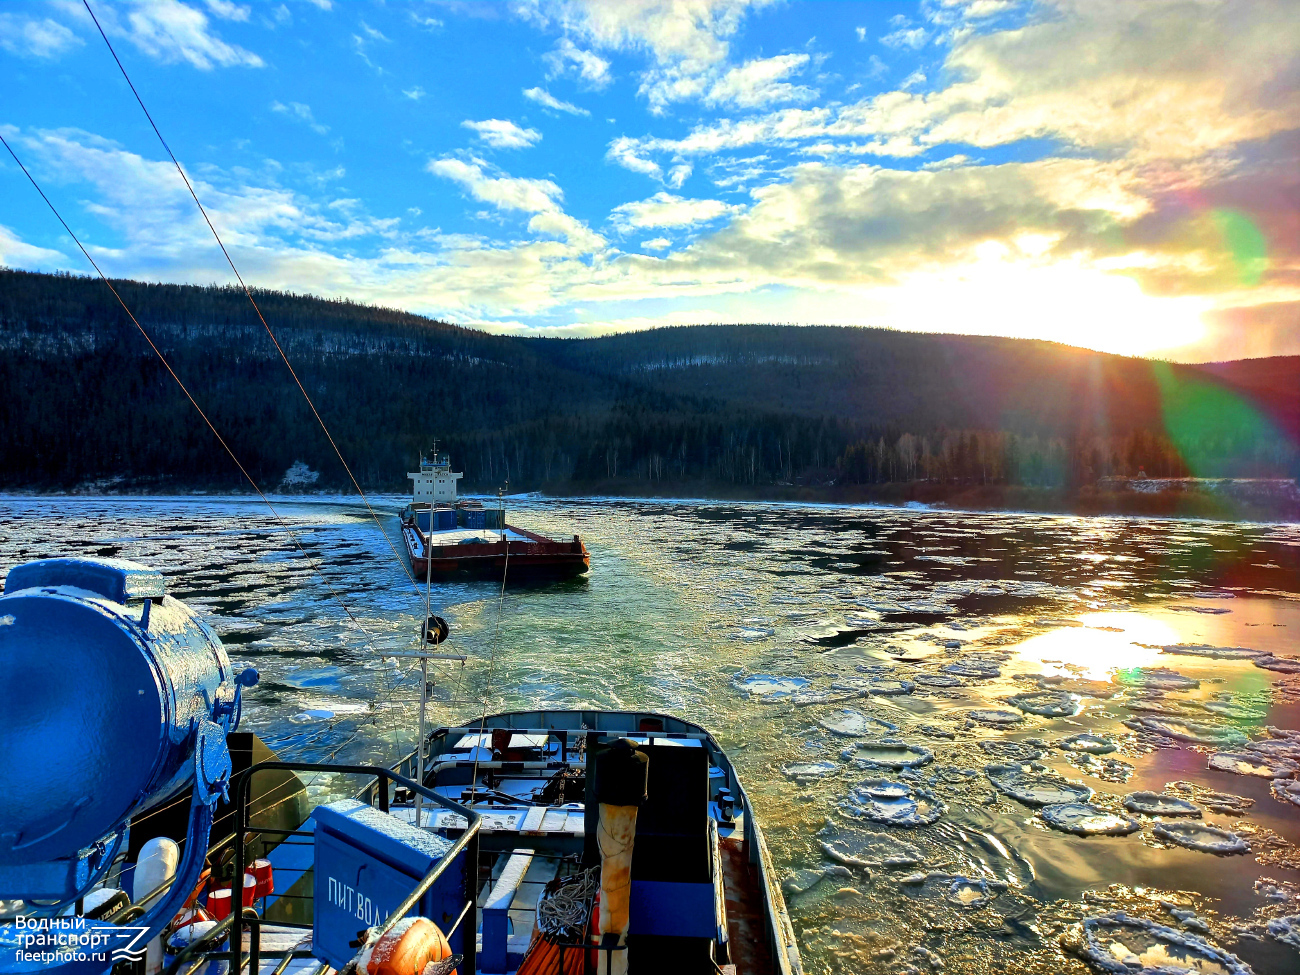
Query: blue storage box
366,863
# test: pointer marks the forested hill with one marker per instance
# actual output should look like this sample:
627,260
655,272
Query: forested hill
743,405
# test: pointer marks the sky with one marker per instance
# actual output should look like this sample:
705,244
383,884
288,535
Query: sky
1113,174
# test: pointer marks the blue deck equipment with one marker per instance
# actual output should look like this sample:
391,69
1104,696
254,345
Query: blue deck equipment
366,863
116,697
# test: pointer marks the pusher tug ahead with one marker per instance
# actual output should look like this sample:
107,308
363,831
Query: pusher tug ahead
448,537
140,832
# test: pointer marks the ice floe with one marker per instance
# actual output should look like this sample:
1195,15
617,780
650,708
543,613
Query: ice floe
1029,750
1084,742
1048,704
1123,945
1215,653
1035,789
310,715
883,788
1220,802
919,808
1280,665
1085,819
1285,930
939,680
856,848
1286,790
805,879
1181,729
1253,763
996,718
1157,679
1159,804
968,892
1106,768
890,753
1203,838
801,771
769,686
890,688
849,723
982,666
1243,711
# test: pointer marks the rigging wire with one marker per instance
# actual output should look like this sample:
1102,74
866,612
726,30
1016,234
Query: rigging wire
276,342
279,349
188,395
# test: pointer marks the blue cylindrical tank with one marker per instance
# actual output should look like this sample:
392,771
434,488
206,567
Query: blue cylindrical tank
103,678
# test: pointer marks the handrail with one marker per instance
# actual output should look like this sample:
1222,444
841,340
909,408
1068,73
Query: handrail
239,790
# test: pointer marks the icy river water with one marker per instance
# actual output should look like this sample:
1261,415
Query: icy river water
964,733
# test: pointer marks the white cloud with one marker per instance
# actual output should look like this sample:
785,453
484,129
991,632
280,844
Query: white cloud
917,77
861,32
16,252
171,32
667,210
322,4
372,33
414,94
361,44
858,244
630,154
540,197
503,192
914,38
687,40
148,205
976,9
424,22
301,112
30,37
227,10
544,98
761,82
1160,84
503,134
568,58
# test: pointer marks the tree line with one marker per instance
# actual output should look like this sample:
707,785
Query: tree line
749,406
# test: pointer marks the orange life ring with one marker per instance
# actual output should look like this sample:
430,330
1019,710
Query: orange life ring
408,948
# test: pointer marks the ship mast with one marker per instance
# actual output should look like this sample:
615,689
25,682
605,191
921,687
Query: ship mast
429,632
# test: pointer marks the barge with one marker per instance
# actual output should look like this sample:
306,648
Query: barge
446,536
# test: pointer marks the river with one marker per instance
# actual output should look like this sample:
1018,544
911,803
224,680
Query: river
887,680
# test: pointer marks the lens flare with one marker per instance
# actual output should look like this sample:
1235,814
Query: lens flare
1217,431
1245,244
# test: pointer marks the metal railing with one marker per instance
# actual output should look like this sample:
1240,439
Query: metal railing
233,925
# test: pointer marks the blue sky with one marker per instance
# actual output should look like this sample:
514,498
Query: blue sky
1078,171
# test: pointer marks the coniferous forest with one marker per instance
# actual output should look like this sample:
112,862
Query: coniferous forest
762,410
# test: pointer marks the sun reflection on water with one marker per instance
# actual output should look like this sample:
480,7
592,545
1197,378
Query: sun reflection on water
1105,643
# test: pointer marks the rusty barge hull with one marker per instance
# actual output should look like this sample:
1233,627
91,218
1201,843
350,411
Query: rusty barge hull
529,555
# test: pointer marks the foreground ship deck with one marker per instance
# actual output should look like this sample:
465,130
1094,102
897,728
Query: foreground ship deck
535,842
512,796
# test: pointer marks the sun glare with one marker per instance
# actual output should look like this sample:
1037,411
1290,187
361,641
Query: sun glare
1063,303
1106,642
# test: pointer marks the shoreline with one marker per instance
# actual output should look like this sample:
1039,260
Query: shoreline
1087,501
